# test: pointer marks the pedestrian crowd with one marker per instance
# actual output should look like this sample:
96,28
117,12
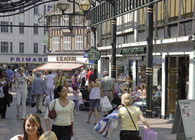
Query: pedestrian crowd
50,89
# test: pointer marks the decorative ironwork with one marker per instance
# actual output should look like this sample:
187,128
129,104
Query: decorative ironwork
11,7
104,11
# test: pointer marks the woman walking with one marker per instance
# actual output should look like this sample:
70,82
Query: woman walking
21,91
94,96
4,89
63,124
59,80
126,112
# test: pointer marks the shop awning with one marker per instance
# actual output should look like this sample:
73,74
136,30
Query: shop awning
62,66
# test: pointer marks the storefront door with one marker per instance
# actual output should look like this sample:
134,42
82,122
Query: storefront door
177,79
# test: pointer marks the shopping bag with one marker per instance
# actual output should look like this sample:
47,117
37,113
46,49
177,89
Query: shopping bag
47,100
107,126
150,134
105,104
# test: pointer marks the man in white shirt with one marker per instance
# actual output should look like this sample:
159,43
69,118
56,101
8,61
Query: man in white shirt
82,76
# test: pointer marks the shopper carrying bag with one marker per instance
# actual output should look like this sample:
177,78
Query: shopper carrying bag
129,114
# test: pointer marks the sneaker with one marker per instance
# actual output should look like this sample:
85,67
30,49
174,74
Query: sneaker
76,113
17,115
22,118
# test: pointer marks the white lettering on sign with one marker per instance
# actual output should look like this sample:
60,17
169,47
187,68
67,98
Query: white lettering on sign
28,59
65,58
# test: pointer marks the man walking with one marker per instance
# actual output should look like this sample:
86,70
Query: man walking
38,89
108,85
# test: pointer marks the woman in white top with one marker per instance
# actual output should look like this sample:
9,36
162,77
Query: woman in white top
95,93
49,84
63,123
21,91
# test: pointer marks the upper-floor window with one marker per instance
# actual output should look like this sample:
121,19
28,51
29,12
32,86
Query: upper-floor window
36,10
45,9
21,28
45,49
67,43
21,47
55,43
78,42
4,28
45,30
48,7
11,47
4,47
36,29
60,20
21,10
78,20
11,27
35,48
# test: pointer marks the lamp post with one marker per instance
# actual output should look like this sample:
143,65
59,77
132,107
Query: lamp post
149,69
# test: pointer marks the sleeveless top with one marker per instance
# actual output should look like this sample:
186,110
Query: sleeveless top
94,93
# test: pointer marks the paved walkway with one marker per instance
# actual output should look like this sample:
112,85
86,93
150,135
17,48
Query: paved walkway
83,131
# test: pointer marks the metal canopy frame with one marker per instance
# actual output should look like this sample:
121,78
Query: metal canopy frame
104,11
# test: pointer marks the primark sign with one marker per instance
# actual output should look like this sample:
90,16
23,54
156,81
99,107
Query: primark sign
22,59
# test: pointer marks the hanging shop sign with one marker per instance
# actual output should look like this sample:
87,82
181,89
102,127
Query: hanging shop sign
94,54
129,51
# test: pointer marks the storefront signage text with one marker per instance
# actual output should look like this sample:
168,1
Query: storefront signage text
127,51
65,58
28,59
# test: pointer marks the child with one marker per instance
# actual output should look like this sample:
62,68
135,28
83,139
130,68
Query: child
76,98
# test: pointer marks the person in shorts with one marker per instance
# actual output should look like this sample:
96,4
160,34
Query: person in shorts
95,94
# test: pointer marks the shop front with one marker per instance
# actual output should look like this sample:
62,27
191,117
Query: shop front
29,62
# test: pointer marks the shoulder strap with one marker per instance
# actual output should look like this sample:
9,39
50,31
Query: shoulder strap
53,105
131,117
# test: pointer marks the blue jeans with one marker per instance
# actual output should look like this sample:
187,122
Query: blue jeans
76,105
30,98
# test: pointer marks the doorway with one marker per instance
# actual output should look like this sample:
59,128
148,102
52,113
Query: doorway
177,76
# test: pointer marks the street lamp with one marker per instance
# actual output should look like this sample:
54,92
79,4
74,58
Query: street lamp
63,6
84,5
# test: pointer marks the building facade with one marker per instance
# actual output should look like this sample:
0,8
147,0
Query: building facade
23,37
173,51
69,38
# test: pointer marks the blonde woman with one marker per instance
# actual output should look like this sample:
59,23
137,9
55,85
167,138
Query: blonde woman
128,129
48,135
21,91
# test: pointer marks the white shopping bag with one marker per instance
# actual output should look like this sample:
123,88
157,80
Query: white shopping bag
47,100
105,104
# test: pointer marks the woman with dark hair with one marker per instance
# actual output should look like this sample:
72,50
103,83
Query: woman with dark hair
95,93
4,89
63,123
32,128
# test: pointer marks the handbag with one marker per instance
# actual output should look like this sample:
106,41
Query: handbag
52,113
138,135
56,95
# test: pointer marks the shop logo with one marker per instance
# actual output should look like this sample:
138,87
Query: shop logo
94,54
